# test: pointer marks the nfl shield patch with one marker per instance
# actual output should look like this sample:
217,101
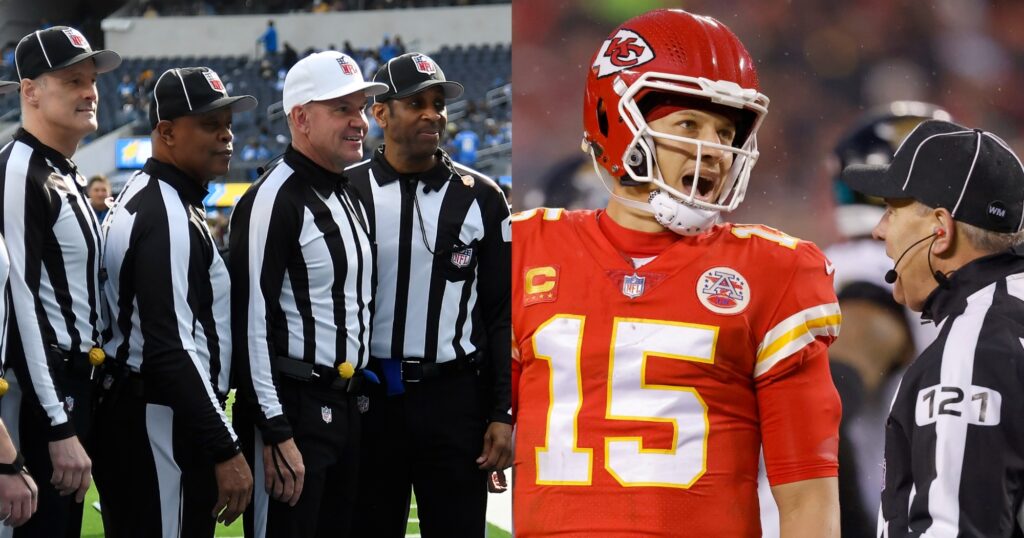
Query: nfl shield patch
347,67
363,403
633,286
76,38
424,65
325,413
69,403
214,81
462,258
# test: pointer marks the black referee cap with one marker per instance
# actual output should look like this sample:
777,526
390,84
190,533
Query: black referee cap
186,91
57,47
972,173
412,73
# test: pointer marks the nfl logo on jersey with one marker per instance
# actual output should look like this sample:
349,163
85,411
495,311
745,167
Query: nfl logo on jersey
633,286
461,258
325,413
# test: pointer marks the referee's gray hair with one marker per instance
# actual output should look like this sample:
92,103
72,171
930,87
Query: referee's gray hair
988,241
982,239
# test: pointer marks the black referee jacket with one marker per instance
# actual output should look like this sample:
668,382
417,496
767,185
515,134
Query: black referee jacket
169,296
301,264
954,445
53,238
444,267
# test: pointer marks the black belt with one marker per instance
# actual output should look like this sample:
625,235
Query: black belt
317,374
75,362
414,371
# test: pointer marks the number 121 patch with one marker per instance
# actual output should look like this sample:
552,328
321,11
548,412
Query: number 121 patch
980,406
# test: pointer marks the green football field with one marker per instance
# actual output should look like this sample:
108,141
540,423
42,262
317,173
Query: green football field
92,525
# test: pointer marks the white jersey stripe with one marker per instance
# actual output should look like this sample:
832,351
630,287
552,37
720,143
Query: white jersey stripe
957,370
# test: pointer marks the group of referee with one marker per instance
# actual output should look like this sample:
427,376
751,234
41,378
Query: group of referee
362,312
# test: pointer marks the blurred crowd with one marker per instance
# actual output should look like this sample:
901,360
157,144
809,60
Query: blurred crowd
822,64
156,8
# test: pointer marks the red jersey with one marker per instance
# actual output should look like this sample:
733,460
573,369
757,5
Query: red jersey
644,395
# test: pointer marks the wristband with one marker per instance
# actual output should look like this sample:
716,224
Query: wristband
15,467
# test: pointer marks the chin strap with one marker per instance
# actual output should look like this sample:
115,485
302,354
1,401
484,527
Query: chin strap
669,211
679,216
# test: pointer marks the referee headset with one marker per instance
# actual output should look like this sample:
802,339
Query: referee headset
891,275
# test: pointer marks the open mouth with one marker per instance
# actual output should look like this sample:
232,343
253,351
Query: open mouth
353,138
705,186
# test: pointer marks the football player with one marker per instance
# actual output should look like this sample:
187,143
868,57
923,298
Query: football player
659,346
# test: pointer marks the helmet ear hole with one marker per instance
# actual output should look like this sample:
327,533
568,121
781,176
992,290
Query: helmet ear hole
602,118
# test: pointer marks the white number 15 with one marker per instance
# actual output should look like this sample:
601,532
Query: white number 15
559,341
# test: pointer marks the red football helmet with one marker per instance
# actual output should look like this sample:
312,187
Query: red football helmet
674,52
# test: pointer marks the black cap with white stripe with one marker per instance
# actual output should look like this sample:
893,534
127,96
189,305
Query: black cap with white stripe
972,173
57,47
187,91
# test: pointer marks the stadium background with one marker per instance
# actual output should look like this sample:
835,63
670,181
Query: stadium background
469,39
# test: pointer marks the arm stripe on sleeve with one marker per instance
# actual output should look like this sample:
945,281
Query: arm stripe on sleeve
796,332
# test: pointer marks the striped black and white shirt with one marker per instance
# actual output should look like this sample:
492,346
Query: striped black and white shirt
5,301
443,266
301,262
169,296
954,445
53,238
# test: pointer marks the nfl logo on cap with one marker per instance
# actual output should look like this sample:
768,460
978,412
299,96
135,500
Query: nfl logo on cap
347,67
76,38
423,64
214,81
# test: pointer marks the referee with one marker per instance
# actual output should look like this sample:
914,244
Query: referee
954,441
18,492
167,461
302,298
53,238
441,329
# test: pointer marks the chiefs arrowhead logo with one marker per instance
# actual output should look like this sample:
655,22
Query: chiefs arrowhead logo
622,51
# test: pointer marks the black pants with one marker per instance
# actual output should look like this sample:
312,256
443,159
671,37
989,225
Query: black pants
427,438
326,428
56,516
154,480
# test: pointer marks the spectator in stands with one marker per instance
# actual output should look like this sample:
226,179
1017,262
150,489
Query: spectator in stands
98,191
7,60
254,151
387,51
289,56
399,46
269,40
371,63
349,50
127,88
466,142
493,136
